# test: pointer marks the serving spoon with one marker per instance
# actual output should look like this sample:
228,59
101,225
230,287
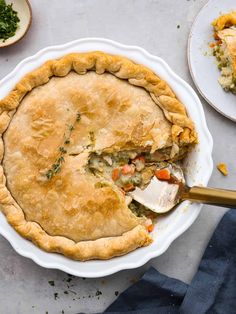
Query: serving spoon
161,196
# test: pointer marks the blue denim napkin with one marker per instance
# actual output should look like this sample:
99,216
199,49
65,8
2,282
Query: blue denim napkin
212,290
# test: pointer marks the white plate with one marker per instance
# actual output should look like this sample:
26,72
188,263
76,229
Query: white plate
202,64
199,164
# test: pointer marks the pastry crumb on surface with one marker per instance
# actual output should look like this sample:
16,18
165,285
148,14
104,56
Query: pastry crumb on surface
222,167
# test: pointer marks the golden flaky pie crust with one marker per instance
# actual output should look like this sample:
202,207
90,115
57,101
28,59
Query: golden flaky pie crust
72,213
225,21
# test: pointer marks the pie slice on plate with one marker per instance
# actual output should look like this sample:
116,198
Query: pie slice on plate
225,50
78,133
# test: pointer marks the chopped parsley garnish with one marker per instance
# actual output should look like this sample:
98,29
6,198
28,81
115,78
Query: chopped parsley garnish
55,296
98,293
8,20
116,293
51,283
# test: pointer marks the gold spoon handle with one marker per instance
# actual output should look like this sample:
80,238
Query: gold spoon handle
220,197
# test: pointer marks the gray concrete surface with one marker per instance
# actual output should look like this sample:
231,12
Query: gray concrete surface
152,24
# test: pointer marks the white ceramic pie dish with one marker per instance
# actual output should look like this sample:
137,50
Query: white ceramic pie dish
198,164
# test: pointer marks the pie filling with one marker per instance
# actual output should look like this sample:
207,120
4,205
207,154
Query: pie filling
128,169
131,169
142,211
227,78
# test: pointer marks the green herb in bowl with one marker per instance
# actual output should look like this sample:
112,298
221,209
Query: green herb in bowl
8,20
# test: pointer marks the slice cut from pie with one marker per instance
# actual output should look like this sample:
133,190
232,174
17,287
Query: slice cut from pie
224,50
77,134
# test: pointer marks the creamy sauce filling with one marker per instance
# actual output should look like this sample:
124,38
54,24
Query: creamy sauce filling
127,169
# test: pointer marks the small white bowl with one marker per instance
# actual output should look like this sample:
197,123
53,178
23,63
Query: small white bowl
23,8
198,164
202,64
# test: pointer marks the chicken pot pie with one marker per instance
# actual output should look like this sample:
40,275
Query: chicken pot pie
224,49
78,133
